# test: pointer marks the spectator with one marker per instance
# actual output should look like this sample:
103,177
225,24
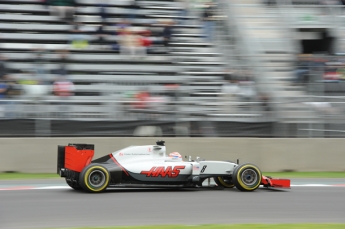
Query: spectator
342,2
134,6
39,65
122,26
3,89
341,71
146,41
150,38
62,61
142,98
45,3
103,11
228,75
102,34
270,2
303,69
78,38
143,43
63,9
247,89
264,98
229,93
184,10
3,95
331,71
130,44
208,23
63,87
7,82
3,68
167,34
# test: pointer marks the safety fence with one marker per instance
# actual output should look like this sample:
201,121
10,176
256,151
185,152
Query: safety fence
307,116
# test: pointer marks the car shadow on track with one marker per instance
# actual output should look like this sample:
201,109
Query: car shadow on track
263,189
175,189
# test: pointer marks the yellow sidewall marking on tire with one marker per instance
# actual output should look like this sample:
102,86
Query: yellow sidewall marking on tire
88,173
220,179
244,185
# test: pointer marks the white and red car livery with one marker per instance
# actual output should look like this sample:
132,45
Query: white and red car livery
149,165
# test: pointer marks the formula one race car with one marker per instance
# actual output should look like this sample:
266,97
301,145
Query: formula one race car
149,165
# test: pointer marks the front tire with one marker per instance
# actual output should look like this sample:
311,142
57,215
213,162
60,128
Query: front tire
247,177
94,178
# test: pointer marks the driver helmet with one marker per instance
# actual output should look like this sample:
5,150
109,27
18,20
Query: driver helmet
175,156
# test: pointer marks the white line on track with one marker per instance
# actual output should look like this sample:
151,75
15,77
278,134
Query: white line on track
311,185
53,187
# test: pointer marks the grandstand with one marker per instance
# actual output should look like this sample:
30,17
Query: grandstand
27,25
186,79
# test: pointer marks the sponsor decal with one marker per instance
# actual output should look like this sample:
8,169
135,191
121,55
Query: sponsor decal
157,171
137,154
149,149
120,154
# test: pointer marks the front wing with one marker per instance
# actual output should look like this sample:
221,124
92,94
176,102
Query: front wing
275,183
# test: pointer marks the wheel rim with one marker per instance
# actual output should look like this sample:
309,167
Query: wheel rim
249,177
97,178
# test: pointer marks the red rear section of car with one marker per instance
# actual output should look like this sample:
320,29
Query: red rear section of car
76,159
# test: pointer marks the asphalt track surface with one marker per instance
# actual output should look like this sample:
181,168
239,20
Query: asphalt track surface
64,208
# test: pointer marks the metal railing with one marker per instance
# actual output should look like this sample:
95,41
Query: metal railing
308,116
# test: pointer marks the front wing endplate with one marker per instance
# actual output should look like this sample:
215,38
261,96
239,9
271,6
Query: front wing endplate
275,183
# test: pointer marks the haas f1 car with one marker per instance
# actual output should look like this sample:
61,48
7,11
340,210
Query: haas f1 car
149,165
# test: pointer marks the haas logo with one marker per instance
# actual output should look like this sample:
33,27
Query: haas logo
163,172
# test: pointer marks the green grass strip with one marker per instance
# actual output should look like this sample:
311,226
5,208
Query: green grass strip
14,176
231,226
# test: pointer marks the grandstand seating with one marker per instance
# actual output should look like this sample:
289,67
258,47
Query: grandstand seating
100,73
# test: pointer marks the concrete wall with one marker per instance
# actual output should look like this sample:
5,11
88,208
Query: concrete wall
39,154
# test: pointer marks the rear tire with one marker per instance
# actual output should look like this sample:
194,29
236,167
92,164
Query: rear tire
225,181
94,178
247,177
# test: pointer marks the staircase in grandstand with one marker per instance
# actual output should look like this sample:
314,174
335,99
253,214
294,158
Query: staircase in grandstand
271,40
197,61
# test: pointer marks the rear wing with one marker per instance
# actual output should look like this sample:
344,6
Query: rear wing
74,157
